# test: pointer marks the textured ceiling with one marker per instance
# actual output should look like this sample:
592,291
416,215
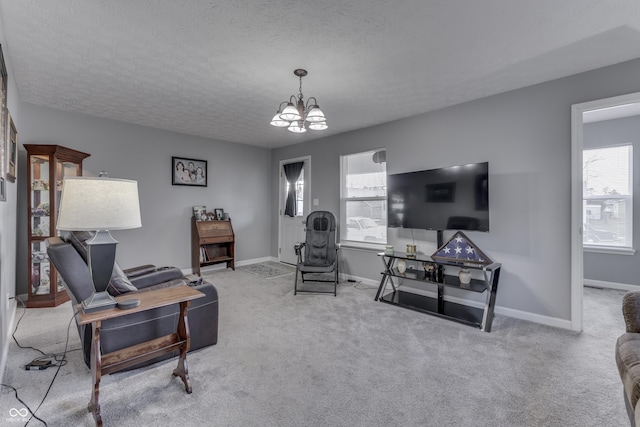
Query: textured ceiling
219,69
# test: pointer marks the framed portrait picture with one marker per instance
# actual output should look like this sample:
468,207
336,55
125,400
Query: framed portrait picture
189,172
219,213
12,150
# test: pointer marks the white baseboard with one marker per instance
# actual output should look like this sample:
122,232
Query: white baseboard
363,280
611,285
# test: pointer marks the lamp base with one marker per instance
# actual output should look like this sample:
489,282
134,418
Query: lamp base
98,301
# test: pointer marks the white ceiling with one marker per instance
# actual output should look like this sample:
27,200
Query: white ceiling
219,69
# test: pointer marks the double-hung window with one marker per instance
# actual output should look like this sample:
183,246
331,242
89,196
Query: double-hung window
607,204
363,210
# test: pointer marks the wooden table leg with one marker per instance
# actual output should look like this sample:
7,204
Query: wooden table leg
96,373
182,370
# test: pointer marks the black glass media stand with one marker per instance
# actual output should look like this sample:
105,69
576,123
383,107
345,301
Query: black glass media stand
440,275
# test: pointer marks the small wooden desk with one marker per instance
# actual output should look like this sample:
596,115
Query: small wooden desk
103,364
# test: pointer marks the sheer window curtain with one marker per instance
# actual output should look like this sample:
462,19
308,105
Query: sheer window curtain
292,173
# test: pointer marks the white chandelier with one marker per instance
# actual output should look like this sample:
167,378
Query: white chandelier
296,114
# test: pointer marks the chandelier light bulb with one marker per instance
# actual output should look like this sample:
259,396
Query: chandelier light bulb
297,126
318,126
316,115
290,113
278,122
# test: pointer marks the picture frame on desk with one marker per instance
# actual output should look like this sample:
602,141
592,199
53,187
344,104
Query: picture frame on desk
190,172
200,213
219,213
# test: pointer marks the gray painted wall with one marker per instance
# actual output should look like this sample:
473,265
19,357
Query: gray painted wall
239,176
526,137
619,269
8,234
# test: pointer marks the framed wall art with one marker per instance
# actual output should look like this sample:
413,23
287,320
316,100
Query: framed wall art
12,150
4,113
189,172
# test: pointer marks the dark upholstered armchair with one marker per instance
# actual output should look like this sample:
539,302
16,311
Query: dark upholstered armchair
68,256
627,353
319,252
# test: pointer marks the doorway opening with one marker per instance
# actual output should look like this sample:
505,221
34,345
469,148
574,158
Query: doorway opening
602,109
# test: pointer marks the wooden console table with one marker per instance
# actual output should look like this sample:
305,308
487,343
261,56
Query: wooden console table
103,364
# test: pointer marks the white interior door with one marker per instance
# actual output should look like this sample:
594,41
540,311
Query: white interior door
292,228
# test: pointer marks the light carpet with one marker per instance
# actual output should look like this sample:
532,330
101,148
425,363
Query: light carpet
318,360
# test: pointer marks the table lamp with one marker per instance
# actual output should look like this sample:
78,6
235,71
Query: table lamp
99,204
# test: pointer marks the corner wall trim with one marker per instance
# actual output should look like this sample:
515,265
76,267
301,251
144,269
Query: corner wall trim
5,345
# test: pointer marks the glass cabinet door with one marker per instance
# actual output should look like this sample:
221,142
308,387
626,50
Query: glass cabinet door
40,224
40,200
40,269
63,170
48,165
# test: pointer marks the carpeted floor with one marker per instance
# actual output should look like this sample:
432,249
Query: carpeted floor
319,360
268,269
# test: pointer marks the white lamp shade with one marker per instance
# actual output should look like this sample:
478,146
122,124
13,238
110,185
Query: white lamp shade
318,126
290,113
297,127
89,204
277,121
316,115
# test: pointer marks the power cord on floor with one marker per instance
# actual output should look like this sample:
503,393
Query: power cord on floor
60,365
39,362
43,362
357,284
25,405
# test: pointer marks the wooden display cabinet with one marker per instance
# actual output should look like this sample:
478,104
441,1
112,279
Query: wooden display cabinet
212,242
47,165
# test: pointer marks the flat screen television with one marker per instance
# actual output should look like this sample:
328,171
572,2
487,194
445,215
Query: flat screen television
450,198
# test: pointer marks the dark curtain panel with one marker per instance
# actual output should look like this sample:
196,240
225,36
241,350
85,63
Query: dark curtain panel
292,172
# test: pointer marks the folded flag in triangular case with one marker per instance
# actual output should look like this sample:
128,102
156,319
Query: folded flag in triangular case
462,250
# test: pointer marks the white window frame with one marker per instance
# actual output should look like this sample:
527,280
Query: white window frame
626,249
343,206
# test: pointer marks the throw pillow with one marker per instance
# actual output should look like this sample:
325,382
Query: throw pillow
119,283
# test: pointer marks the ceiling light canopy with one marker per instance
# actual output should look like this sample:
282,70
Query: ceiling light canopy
295,114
